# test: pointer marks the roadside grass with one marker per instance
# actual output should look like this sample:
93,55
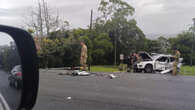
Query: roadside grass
104,68
187,70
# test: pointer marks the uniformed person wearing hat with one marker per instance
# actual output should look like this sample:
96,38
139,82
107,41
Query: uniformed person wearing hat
176,56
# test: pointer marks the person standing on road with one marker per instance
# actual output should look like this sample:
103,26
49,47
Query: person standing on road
83,58
139,59
134,61
177,56
129,62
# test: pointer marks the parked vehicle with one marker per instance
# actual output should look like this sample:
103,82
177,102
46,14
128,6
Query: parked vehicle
155,62
15,78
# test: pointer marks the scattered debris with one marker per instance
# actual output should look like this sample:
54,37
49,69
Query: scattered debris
65,73
166,71
68,98
80,73
112,76
171,69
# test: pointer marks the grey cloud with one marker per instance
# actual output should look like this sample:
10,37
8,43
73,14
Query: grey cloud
11,12
78,14
173,18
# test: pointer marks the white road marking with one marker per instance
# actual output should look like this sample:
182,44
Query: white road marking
3,103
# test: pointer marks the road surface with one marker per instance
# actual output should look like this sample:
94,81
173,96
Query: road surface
126,92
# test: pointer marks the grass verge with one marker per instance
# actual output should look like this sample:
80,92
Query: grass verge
188,70
106,68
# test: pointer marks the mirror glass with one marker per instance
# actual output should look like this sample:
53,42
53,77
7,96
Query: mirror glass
10,74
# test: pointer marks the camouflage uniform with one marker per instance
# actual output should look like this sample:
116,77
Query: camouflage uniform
83,59
139,59
177,56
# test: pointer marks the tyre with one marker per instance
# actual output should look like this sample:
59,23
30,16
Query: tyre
10,84
16,85
148,68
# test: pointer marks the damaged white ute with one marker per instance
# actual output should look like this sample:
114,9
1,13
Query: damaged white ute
156,63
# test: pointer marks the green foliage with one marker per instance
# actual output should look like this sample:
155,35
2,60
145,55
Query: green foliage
104,68
187,70
164,44
31,31
9,57
116,22
152,46
115,9
102,47
114,28
184,43
58,52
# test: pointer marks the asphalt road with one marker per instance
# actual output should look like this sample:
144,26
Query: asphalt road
11,95
126,92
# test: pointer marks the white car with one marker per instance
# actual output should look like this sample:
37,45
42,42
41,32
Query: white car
155,62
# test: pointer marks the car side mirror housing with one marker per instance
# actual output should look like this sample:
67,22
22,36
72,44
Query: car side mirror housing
19,71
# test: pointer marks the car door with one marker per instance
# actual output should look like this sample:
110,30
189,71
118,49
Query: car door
171,61
162,63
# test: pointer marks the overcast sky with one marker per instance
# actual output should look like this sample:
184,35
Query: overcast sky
152,16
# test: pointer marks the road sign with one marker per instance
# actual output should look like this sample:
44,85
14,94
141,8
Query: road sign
121,56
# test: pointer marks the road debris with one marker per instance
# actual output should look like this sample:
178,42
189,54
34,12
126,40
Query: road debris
112,76
65,73
171,69
166,71
80,73
68,98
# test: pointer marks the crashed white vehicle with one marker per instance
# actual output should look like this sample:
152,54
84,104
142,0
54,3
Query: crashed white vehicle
156,63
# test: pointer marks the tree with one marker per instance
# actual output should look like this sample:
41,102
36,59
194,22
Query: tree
152,46
112,9
102,48
44,21
9,56
123,31
183,42
164,44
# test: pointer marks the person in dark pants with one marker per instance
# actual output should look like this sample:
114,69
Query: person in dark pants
134,61
129,63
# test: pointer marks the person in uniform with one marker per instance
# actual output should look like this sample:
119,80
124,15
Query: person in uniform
139,59
83,58
129,62
177,56
134,61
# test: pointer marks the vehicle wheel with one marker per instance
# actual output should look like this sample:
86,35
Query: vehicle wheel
148,69
10,84
16,85
135,70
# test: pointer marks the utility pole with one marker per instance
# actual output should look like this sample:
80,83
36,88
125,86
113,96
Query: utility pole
115,46
91,20
90,33
193,34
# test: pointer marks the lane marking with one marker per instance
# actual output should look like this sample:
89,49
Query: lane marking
4,104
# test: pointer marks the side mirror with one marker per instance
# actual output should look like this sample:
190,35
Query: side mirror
18,69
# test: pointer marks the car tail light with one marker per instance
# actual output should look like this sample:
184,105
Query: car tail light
19,74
